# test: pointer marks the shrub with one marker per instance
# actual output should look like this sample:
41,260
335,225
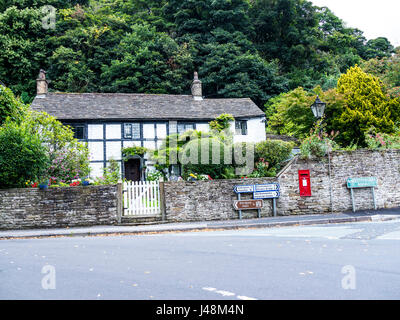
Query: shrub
23,157
197,157
133,151
111,174
222,122
69,158
274,152
10,106
379,141
318,145
154,176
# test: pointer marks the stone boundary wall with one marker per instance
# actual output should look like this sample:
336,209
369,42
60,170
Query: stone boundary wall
212,200
208,200
58,207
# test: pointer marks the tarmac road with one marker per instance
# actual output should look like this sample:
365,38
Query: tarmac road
335,261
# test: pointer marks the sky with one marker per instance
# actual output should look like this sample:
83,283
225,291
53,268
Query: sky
374,18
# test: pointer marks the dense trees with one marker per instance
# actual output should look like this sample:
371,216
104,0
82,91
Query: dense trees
240,48
359,103
366,106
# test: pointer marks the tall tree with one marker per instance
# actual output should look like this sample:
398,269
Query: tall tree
149,62
366,106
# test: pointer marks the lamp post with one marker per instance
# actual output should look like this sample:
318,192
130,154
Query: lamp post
318,109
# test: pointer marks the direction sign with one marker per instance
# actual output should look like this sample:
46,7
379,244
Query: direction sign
266,195
244,189
266,187
248,204
366,182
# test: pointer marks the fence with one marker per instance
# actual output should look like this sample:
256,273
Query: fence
141,198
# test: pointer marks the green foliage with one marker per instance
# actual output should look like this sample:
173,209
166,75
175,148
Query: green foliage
366,106
69,163
22,155
222,122
378,48
69,158
154,176
386,68
133,151
290,113
241,48
203,156
150,62
65,157
23,47
10,106
381,141
273,152
229,71
318,144
111,174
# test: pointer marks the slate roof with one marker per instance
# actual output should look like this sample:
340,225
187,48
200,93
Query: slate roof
122,106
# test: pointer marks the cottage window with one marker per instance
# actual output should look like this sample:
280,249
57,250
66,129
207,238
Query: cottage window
180,127
241,127
132,131
183,127
79,131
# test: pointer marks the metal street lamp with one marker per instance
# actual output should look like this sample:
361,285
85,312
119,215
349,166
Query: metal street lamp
318,108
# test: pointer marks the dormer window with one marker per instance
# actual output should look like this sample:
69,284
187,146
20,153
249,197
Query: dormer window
241,127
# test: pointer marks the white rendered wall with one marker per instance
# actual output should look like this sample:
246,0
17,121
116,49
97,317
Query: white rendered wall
255,131
96,150
161,130
113,131
95,131
129,144
148,131
113,150
96,169
205,127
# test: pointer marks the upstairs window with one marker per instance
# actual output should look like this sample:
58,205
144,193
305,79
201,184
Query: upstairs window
183,127
132,131
241,127
79,131
180,127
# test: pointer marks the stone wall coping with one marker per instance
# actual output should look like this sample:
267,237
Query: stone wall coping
55,188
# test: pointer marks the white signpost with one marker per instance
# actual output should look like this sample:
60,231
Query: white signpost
244,189
266,195
260,192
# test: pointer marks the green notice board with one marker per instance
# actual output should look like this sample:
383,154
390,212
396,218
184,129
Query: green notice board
366,182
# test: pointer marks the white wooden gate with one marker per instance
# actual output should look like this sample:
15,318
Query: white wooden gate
141,198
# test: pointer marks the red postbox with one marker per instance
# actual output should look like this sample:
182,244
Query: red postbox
304,183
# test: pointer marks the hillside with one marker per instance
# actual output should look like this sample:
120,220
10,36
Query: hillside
240,48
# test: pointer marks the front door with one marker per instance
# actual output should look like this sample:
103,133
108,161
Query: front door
132,170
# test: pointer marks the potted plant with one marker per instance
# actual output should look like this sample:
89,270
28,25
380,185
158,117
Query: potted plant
86,182
44,184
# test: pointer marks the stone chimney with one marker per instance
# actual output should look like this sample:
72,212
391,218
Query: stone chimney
41,84
196,88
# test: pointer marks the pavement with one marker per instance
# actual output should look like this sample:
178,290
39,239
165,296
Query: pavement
270,222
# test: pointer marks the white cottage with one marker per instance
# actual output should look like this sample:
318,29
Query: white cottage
109,122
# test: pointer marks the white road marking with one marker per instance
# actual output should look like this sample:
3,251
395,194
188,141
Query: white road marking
227,293
245,298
